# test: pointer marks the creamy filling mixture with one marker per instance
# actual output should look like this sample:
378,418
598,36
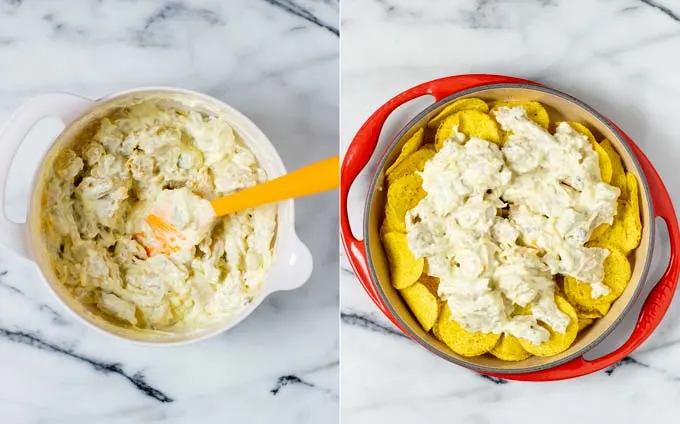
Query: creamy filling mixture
494,269
190,218
101,188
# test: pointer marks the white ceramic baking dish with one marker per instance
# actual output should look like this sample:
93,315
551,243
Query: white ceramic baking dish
292,261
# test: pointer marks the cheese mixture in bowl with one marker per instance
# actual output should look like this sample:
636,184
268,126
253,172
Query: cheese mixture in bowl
487,264
105,182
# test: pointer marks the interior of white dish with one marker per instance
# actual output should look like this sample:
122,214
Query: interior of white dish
247,133
560,108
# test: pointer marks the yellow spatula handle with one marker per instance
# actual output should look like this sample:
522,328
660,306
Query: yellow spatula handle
311,179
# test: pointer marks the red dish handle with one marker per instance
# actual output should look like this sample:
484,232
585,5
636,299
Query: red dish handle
655,305
363,146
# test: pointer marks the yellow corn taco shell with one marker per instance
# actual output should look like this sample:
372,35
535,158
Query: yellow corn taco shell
509,348
584,322
404,267
617,275
472,123
618,178
588,314
462,104
402,195
626,230
423,304
599,230
460,340
410,146
557,342
631,217
413,163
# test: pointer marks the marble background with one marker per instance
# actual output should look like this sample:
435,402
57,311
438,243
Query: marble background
618,56
276,61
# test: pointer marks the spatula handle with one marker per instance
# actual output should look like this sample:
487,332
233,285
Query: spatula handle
311,179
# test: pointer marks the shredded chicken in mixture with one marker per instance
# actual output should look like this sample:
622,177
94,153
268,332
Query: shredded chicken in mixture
102,186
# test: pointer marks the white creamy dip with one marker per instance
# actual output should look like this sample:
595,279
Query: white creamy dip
489,265
104,184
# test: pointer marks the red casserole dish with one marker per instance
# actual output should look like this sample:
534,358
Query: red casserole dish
367,258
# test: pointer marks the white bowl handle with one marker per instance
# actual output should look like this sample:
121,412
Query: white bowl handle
291,270
64,106
301,263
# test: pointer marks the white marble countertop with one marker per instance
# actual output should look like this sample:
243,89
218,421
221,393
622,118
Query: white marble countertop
618,56
276,61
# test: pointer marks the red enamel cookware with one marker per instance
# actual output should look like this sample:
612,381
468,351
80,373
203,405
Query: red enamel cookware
367,256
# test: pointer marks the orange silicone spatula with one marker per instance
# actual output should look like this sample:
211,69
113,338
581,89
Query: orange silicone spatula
311,179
